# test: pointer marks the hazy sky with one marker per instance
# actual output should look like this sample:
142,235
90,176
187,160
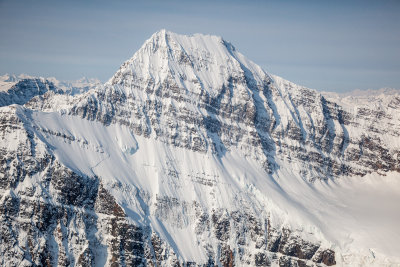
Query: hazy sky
326,45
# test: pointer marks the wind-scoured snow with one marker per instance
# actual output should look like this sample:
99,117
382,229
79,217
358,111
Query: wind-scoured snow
357,215
151,160
202,56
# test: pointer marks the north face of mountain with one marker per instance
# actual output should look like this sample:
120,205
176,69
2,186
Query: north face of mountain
21,91
199,93
192,155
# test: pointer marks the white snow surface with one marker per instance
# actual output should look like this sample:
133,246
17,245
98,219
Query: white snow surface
70,86
7,81
379,98
208,59
79,86
357,216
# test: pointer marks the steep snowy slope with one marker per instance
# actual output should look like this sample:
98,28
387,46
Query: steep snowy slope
22,88
19,90
193,155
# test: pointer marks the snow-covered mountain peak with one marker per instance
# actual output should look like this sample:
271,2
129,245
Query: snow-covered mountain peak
9,80
194,62
192,155
168,39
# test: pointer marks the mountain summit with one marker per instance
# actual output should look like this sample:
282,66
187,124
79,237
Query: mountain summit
185,59
193,155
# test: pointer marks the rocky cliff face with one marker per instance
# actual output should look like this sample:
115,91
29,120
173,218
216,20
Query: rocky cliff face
54,216
23,90
180,160
212,98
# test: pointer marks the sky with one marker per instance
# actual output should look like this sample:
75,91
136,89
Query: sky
326,45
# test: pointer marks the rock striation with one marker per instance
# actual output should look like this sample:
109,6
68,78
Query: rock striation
135,172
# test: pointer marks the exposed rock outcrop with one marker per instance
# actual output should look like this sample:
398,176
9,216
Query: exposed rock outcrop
73,196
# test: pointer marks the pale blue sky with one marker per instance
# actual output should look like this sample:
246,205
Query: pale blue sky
326,45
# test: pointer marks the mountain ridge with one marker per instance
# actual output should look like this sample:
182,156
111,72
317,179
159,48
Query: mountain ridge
192,154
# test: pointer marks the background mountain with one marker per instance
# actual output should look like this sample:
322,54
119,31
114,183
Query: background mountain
193,155
22,88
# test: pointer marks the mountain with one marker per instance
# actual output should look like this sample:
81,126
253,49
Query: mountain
192,155
79,86
20,89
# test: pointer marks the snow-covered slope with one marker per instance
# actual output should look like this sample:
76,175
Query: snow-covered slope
9,80
19,90
79,86
193,155
22,88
